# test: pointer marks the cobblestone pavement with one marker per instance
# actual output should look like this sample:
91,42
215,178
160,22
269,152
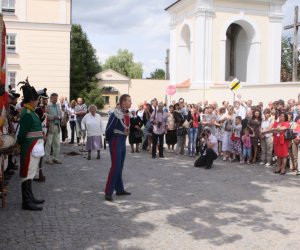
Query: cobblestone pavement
173,206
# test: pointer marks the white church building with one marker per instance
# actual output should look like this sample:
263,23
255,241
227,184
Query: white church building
214,41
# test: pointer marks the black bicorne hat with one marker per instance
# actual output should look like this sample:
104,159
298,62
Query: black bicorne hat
29,92
12,93
43,93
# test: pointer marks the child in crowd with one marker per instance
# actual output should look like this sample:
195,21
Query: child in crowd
246,140
236,139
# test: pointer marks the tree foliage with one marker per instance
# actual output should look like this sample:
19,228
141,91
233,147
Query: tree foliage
287,47
123,63
93,95
158,74
84,63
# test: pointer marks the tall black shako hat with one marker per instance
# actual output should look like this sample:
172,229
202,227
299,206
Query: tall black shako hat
29,92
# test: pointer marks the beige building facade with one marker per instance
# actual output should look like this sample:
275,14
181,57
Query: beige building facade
38,43
114,85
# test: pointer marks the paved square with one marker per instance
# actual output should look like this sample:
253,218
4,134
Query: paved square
173,206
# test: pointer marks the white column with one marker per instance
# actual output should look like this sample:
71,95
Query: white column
192,57
22,10
63,12
222,60
203,49
274,53
253,64
199,66
173,54
208,48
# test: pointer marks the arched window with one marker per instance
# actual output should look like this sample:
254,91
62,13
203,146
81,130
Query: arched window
242,52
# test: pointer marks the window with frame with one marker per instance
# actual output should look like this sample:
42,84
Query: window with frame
11,43
106,99
12,79
8,6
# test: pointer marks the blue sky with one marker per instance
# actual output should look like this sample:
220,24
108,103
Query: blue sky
140,26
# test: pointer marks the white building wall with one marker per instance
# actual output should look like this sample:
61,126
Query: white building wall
262,23
42,53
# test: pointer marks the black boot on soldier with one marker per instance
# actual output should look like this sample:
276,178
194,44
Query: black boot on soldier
34,200
28,204
98,154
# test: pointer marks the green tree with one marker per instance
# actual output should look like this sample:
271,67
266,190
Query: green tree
123,63
93,95
286,59
158,74
287,48
84,63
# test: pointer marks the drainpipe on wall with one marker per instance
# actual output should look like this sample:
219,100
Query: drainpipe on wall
204,54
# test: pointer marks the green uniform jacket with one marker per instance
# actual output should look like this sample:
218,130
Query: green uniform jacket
29,122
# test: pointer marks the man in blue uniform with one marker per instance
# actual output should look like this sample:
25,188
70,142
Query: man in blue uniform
116,133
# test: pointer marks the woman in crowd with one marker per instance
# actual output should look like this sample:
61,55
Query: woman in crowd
255,125
281,148
148,128
220,129
194,120
293,145
266,139
227,120
92,124
158,120
72,120
180,130
280,144
236,139
171,138
135,133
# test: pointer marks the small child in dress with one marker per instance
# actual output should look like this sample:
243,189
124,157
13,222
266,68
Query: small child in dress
246,139
236,139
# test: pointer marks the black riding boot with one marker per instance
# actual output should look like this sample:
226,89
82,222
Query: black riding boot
98,154
34,200
28,204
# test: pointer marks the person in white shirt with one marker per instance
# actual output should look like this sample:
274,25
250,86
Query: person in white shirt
211,153
239,110
140,111
266,138
72,120
92,124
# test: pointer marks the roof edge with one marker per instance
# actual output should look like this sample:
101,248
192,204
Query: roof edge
170,6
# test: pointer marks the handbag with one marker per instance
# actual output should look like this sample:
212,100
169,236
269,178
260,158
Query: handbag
181,131
138,133
289,134
38,150
228,125
186,124
150,129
